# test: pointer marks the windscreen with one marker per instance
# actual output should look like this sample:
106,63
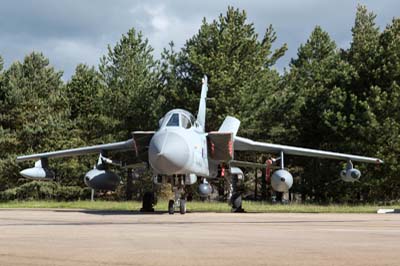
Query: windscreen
173,121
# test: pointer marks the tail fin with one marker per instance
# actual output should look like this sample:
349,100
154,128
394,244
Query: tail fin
201,114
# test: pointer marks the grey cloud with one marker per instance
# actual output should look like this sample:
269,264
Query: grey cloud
71,32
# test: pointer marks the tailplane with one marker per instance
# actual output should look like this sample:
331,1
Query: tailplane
230,124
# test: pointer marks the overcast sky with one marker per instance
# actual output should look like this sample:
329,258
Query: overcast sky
69,32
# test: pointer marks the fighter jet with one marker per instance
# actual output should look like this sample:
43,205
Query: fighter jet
182,153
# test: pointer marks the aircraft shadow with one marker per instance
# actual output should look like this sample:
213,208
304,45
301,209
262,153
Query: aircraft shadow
114,212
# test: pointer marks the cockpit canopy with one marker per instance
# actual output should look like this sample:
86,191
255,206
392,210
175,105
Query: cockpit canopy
178,118
173,120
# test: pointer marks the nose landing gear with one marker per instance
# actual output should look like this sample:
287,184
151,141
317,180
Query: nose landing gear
179,202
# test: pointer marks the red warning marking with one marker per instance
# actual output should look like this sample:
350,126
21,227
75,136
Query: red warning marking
230,147
268,170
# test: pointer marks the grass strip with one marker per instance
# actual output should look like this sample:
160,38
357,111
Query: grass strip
197,206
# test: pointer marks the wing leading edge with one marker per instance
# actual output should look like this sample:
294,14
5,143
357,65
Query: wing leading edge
120,146
139,142
244,144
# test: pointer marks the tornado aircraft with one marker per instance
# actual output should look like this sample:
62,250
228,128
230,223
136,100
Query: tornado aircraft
180,152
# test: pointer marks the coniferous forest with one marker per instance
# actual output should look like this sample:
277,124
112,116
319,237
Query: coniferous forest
328,97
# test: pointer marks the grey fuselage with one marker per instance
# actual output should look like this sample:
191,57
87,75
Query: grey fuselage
179,147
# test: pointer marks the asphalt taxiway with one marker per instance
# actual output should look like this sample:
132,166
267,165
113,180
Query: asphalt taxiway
78,237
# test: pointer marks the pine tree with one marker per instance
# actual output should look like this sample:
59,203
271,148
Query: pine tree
229,52
34,112
374,56
364,50
86,94
383,135
319,111
129,72
172,92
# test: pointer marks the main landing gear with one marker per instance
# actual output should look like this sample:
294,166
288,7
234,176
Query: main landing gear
148,202
236,198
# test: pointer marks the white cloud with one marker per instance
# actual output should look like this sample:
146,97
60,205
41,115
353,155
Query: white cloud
161,26
159,20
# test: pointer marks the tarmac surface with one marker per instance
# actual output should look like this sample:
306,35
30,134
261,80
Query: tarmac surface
78,237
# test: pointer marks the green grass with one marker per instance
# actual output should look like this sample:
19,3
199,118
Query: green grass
199,206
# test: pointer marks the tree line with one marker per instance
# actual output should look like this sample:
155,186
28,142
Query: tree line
332,98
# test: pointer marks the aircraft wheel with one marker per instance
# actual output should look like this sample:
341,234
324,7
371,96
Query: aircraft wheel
236,201
182,206
171,208
147,205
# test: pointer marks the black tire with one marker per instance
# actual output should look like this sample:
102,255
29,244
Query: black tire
171,209
236,201
182,206
148,200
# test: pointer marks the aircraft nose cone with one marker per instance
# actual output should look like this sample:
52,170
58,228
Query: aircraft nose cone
168,153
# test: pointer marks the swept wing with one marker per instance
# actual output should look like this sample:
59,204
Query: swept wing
120,146
140,141
244,144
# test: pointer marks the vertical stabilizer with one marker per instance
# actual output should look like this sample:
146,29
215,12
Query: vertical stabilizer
201,114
